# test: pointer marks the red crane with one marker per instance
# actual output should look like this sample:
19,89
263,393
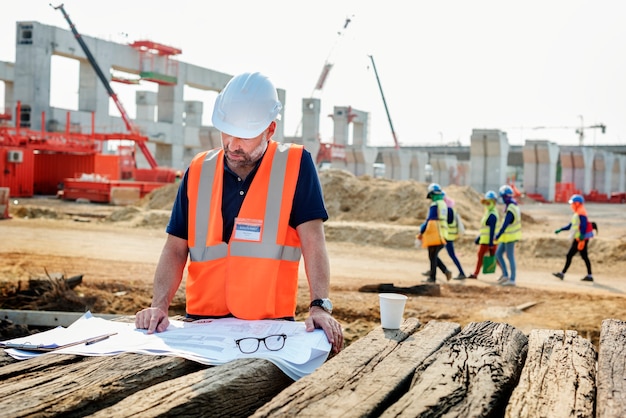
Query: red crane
141,144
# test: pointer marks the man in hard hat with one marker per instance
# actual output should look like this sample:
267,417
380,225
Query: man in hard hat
245,213
486,239
582,231
510,232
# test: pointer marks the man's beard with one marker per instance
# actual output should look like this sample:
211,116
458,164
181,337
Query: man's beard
248,160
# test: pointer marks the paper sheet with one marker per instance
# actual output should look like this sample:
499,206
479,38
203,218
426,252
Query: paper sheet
209,342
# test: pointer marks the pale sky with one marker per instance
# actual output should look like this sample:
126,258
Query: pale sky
446,67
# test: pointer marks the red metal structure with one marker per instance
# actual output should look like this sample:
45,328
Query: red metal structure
155,62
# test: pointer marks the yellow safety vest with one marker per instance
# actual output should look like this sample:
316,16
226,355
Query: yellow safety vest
453,227
513,231
484,228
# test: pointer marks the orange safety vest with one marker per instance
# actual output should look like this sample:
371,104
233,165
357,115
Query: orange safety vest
255,275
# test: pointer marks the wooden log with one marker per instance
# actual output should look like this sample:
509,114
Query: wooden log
472,375
611,377
54,384
366,377
234,389
558,379
426,289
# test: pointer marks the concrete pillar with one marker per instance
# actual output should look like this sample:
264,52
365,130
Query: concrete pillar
279,134
602,171
193,113
619,174
363,159
311,126
489,150
540,159
9,101
341,124
391,159
170,104
417,165
33,55
397,163
146,102
463,176
576,165
444,169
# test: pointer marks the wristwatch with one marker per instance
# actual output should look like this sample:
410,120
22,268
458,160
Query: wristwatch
325,304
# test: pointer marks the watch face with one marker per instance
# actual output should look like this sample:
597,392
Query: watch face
327,305
324,304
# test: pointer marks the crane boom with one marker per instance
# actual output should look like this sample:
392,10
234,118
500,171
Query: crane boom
129,126
380,87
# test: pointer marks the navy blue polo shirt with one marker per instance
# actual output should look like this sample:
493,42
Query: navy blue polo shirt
308,201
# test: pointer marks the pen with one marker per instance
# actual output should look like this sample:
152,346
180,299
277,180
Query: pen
98,339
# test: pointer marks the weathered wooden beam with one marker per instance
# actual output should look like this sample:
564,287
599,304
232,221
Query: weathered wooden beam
54,384
558,379
472,375
46,318
366,377
611,377
235,389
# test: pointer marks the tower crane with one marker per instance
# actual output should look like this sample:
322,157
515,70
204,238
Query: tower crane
580,130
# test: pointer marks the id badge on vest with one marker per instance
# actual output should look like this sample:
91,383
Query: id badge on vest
248,229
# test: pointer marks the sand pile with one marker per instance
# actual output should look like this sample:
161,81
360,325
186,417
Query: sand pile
349,198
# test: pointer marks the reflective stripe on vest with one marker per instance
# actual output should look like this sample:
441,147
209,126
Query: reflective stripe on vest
442,216
267,248
453,227
513,231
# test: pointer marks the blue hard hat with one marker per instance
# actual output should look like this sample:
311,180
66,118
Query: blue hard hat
434,189
576,198
491,195
506,190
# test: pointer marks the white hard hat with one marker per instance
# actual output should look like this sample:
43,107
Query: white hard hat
246,106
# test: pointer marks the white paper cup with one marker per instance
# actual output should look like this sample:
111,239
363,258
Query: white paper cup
391,309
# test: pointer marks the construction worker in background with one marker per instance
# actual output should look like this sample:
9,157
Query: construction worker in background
486,239
455,228
437,222
245,213
581,231
510,232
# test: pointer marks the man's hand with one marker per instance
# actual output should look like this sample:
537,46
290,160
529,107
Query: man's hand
320,319
492,250
556,231
152,319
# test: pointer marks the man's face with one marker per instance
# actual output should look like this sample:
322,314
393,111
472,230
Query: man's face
245,152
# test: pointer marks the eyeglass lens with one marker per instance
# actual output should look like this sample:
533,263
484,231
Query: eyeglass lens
251,344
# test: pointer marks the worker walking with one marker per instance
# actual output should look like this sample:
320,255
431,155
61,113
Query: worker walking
510,232
434,230
455,228
581,231
486,239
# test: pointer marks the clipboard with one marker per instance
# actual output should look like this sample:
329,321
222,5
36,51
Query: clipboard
41,348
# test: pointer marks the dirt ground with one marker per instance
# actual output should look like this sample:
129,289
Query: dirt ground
370,237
